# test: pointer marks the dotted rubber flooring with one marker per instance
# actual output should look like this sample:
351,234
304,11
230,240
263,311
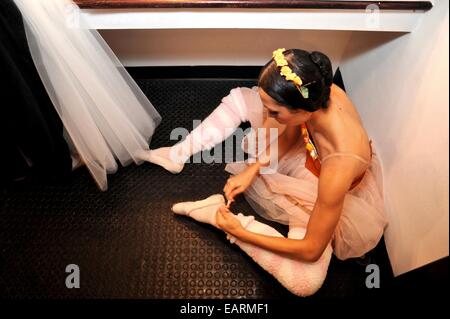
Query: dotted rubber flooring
126,241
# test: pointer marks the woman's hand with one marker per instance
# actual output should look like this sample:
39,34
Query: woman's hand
226,221
239,183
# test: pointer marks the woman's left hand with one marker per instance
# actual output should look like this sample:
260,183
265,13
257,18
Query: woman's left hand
227,222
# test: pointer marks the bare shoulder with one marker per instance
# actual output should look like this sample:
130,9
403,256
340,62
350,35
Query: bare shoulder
337,88
344,132
339,97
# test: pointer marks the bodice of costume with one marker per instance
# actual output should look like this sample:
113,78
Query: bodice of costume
313,162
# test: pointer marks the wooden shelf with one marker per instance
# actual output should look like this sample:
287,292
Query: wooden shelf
254,4
395,16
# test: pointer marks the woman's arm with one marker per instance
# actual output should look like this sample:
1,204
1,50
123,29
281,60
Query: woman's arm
335,179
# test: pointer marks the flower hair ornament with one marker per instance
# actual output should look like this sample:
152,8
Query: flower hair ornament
286,71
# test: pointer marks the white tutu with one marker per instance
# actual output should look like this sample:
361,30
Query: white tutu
105,114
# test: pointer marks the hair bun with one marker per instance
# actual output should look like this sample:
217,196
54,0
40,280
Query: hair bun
324,65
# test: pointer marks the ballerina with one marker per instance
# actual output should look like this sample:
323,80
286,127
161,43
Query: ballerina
328,182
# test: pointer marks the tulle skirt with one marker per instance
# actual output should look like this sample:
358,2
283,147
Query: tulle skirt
288,196
106,116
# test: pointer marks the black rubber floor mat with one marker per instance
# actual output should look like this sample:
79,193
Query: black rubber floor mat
126,241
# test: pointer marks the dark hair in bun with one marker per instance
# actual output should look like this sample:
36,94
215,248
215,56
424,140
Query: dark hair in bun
316,73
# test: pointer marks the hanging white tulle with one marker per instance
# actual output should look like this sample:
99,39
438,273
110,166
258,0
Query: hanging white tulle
104,112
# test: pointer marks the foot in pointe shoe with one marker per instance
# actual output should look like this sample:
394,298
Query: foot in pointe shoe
184,208
162,157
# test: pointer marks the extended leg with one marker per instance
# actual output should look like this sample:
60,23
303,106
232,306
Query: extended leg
213,130
301,278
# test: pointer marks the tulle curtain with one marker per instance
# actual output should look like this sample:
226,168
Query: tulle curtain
104,112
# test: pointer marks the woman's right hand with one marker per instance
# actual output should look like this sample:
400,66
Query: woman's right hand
239,183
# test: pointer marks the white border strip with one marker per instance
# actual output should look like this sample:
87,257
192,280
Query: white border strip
352,20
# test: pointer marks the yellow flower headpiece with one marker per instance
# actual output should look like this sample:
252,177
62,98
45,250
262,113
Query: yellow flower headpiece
286,71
